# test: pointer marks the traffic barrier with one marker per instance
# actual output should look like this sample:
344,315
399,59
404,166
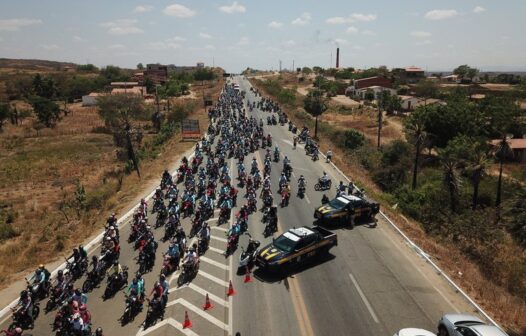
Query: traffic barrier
248,278
208,304
231,291
187,323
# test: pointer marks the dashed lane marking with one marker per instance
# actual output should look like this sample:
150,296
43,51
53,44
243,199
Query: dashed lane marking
169,321
364,299
199,311
198,289
213,278
213,263
219,239
307,198
220,228
216,250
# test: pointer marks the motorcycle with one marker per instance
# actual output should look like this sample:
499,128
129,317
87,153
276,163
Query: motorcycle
132,307
202,245
276,156
231,245
116,282
93,279
248,256
285,196
21,319
169,265
321,185
270,228
189,272
301,191
155,311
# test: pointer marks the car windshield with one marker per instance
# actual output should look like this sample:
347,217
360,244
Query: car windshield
337,204
284,244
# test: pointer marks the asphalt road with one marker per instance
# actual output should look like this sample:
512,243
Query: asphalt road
371,284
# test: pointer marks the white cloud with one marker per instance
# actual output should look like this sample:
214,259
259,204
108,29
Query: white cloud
479,9
368,33
352,30
122,27
420,34
289,43
171,43
143,9
205,35
16,24
209,47
77,39
244,41
302,20
275,24
49,46
440,14
425,42
116,47
363,17
235,7
179,11
340,41
338,20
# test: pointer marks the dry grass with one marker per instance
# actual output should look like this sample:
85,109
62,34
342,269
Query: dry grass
36,171
508,309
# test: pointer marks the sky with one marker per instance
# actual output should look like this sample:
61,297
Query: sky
432,34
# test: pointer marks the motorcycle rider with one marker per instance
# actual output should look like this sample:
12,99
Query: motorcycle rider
77,325
282,181
329,156
80,297
115,271
173,253
324,199
41,277
276,152
324,180
350,188
340,189
204,233
25,307
98,332
85,315
294,141
190,259
158,291
301,182
166,286
137,287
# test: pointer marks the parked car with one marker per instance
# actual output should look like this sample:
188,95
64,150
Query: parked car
466,325
414,332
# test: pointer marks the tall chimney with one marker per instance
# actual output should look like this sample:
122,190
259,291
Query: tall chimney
337,58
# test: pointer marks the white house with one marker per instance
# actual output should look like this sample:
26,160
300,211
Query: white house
377,90
91,99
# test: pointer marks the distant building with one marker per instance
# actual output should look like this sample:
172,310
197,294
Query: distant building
133,91
200,65
410,103
91,99
123,85
158,73
518,147
371,81
409,75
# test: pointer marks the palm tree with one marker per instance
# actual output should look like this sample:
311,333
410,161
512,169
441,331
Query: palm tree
503,150
450,164
476,164
415,128
315,104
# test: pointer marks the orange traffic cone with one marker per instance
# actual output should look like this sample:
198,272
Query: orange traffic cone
208,304
247,276
187,323
231,291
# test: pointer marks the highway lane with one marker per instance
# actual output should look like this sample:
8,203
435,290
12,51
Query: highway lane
373,284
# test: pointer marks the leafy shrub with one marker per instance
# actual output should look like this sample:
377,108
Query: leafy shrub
395,163
353,139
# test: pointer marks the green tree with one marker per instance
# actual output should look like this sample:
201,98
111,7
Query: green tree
353,139
306,70
426,89
5,113
46,110
394,164
140,66
369,95
465,71
476,160
415,129
118,113
44,87
315,104
450,158
503,116
150,85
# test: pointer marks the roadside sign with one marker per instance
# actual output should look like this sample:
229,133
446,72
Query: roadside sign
191,130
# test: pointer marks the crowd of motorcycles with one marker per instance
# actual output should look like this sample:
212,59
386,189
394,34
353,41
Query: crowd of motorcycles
202,184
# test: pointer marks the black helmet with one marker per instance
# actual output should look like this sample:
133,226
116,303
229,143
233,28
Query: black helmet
115,263
60,273
23,294
78,292
98,332
94,258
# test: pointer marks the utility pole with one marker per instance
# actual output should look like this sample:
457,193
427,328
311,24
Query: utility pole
293,68
280,66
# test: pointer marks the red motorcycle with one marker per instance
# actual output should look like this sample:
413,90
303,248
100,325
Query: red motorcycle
169,265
